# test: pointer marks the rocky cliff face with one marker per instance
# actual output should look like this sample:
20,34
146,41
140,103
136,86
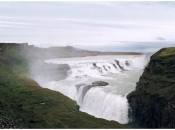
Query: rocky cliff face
153,101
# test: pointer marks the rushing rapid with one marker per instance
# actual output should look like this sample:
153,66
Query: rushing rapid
108,102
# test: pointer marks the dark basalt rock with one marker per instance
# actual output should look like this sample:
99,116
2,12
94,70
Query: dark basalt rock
99,83
119,65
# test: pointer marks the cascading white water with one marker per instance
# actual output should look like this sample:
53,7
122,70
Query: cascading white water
108,102
106,105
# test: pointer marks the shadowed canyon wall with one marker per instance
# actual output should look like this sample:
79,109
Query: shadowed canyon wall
153,101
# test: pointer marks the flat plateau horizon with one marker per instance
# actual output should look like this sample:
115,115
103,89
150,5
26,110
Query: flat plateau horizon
106,48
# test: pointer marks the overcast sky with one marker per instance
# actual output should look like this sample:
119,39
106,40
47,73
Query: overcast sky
106,26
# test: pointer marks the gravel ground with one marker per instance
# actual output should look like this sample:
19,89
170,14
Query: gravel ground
7,122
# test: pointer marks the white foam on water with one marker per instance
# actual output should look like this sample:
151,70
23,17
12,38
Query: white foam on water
66,87
108,102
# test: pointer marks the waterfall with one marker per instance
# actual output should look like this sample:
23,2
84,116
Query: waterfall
105,105
108,102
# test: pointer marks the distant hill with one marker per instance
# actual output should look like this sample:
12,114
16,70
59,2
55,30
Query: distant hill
58,52
33,52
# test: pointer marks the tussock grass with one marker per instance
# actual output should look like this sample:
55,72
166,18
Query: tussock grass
167,51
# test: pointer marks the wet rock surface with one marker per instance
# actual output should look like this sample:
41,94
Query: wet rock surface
99,83
93,84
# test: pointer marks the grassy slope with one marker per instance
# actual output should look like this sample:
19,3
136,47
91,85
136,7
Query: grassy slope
23,99
158,77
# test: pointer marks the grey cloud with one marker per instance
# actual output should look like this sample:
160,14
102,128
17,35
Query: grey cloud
105,24
43,22
161,38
